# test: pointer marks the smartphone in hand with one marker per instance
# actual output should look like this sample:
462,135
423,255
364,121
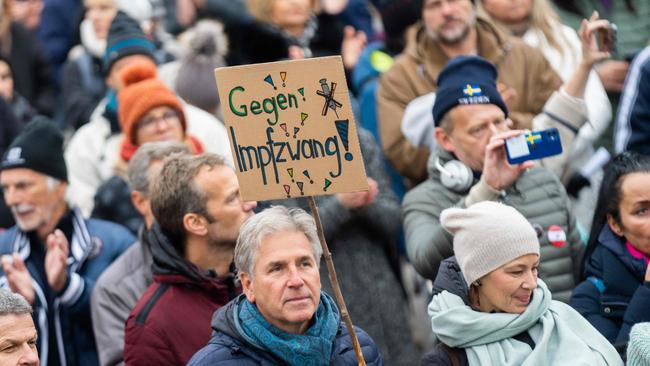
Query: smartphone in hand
606,38
533,145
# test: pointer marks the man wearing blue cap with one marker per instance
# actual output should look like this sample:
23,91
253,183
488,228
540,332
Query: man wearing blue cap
469,165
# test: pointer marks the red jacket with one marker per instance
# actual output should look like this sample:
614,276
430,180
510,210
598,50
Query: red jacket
171,321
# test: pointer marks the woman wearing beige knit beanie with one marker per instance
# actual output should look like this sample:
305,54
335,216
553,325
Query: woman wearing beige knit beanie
490,308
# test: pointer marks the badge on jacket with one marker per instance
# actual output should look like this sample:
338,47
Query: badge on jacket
556,236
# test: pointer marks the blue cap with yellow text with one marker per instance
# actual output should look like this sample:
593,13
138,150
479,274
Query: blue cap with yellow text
466,80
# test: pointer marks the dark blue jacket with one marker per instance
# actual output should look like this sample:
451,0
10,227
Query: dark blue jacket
94,245
614,297
632,127
228,347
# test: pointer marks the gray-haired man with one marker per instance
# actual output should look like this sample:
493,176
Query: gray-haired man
121,285
17,331
282,317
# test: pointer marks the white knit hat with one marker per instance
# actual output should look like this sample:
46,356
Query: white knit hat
488,235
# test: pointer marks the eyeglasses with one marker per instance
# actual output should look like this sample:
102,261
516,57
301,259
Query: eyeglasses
28,1
168,117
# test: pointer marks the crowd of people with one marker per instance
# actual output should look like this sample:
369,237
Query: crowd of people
125,239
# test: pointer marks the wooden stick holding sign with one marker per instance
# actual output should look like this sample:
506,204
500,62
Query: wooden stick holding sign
331,271
292,134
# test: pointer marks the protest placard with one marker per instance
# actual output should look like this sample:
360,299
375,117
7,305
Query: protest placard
291,128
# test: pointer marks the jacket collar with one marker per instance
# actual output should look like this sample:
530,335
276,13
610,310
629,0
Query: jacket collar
450,279
616,245
81,244
170,267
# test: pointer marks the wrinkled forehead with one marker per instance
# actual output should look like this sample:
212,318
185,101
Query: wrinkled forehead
21,175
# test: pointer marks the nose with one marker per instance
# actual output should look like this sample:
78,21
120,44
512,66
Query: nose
530,282
295,281
162,124
11,197
249,205
29,358
445,7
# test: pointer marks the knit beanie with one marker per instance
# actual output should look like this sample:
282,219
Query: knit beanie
39,147
126,38
638,348
207,46
141,93
488,235
466,80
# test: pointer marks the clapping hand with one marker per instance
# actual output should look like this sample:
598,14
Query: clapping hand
56,260
18,277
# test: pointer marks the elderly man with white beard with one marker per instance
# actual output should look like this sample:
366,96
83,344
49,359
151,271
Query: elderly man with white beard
53,255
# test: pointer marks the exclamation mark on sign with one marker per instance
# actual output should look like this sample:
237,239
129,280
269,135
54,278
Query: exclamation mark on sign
300,184
306,174
295,131
269,80
287,188
303,117
302,92
284,127
342,128
283,76
327,184
290,171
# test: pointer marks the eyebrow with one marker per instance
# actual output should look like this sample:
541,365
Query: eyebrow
642,202
521,265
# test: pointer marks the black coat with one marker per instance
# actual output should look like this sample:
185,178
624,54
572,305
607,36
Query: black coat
253,42
615,296
31,71
113,203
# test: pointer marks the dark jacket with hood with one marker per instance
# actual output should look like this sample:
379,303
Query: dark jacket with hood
228,347
171,321
614,296
450,278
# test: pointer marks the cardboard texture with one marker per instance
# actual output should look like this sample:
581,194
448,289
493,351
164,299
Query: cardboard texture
291,128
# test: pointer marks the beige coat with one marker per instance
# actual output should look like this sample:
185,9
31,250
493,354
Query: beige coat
415,71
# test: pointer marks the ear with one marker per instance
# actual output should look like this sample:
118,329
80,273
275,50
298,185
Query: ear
140,202
616,228
61,188
247,286
195,224
443,139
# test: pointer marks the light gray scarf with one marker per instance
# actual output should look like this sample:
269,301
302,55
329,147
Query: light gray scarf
561,335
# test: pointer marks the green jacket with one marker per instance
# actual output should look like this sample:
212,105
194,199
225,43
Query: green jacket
537,194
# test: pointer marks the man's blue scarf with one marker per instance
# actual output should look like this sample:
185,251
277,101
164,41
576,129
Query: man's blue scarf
312,348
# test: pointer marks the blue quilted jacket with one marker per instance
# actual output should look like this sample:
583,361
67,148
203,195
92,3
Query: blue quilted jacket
227,347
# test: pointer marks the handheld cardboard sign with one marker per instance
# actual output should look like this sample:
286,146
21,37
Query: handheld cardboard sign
533,145
291,128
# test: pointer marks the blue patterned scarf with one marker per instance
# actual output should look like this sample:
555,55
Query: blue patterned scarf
312,348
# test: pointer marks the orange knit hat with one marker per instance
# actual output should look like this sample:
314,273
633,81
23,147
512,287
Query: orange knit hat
141,93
